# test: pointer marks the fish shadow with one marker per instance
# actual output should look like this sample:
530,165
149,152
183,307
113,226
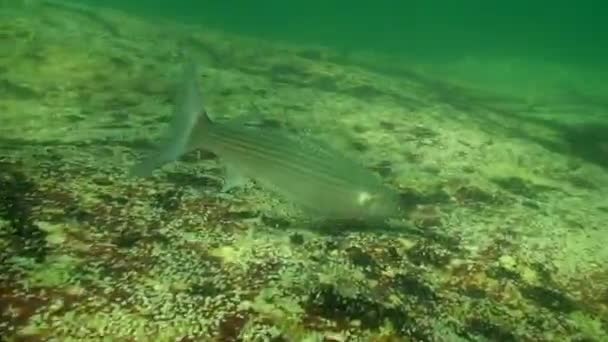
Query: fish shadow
335,227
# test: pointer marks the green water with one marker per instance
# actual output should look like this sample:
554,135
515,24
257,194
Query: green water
560,30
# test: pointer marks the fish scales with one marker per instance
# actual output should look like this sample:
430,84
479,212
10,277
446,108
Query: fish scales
286,165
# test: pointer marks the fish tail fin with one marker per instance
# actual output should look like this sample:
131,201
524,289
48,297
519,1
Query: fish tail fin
189,114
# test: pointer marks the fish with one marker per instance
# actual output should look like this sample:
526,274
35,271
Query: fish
309,173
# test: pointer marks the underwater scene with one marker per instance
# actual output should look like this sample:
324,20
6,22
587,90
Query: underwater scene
303,171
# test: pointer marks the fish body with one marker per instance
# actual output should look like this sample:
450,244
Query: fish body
319,179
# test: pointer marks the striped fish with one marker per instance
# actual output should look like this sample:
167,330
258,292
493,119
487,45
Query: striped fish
322,181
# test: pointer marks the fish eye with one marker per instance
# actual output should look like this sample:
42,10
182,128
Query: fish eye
364,198
379,203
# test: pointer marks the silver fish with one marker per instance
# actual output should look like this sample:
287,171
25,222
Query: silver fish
322,181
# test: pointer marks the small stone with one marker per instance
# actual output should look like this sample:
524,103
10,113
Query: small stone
528,275
508,262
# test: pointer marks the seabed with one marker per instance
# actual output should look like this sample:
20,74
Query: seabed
503,237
